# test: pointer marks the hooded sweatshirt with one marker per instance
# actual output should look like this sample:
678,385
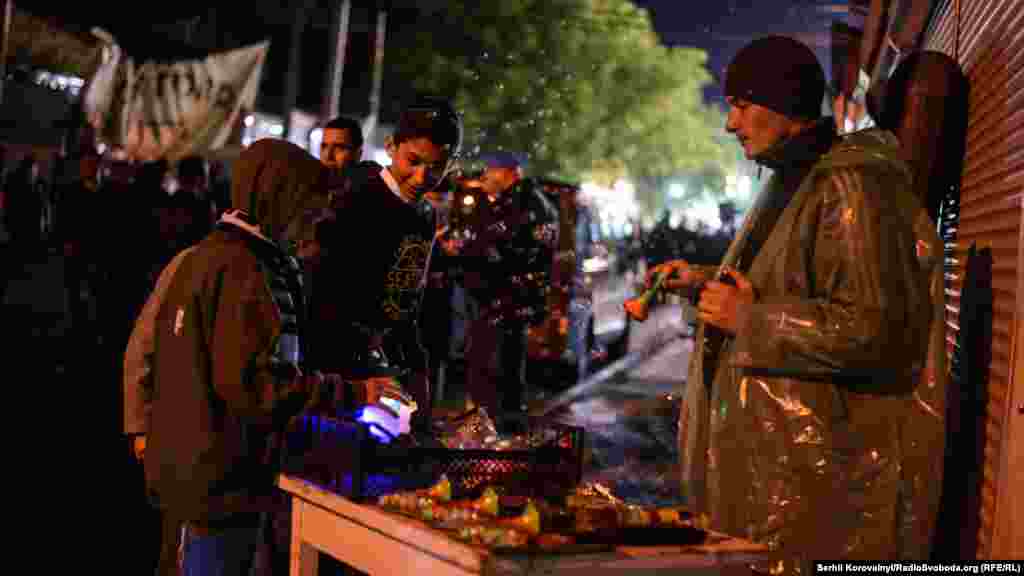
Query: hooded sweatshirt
226,348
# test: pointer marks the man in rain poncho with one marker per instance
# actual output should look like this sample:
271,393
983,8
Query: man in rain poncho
813,415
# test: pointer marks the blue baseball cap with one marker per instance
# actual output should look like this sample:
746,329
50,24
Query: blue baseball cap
504,160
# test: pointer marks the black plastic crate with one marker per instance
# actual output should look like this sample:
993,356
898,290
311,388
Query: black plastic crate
342,456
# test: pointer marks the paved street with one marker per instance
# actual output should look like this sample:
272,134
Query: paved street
629,411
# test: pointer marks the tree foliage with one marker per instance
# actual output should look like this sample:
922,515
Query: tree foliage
583,87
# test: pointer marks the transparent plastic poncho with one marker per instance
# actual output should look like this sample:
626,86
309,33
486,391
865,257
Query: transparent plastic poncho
821,434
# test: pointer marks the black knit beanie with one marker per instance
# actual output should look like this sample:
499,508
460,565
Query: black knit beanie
780,74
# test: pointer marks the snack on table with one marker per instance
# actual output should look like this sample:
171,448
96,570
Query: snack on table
591,494
488,502
637,516
593,514
404,502
442,490
427,509
528,521
413,503
434,505
457,518
702,521
537,438
472,430
595,518
668,517
457,514
494,536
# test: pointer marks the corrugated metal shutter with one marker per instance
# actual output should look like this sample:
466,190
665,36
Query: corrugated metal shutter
988,41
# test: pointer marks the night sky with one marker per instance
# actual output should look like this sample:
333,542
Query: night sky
722,28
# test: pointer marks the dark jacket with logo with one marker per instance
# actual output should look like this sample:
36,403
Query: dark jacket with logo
370,282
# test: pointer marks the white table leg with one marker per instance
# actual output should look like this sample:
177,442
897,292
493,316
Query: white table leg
304,558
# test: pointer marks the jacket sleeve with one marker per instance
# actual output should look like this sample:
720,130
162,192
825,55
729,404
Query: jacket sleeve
853,307
138,380
245,328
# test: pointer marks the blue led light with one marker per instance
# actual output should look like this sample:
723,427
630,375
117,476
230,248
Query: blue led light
381,425
380,434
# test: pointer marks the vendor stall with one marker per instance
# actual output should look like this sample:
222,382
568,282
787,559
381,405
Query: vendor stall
377,541
476,503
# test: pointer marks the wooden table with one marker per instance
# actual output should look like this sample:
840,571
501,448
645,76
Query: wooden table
383,544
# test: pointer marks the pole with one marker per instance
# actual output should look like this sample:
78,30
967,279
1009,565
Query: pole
378,75
8,14
291,82
336,67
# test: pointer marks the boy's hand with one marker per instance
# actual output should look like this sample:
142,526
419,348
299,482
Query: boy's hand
371,390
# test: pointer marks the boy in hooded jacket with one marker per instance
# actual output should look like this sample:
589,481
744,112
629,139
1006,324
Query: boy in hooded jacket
225,366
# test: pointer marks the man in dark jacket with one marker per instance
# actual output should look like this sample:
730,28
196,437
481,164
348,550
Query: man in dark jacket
341,145
506,271
226,366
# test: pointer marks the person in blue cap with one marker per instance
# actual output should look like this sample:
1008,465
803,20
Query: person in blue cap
504,171
507,273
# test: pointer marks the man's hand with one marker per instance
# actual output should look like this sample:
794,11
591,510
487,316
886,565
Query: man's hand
680,276
722,305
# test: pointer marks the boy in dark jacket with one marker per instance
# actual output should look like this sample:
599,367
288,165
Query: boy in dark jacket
225,367
376,253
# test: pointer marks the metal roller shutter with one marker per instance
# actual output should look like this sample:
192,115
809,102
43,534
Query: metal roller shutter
987,39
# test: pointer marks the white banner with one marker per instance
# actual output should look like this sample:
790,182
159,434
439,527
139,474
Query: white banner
171,110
